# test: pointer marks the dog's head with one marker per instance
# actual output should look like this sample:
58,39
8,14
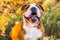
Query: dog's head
32,14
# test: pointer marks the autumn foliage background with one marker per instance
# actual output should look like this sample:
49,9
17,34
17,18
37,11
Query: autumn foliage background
10,12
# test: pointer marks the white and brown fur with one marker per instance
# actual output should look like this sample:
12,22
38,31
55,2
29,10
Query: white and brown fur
26,29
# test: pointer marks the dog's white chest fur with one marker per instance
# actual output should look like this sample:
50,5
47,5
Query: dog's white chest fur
32,33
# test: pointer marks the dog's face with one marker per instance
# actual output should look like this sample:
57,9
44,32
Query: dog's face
32,14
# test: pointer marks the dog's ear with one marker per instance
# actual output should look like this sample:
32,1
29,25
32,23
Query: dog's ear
24,7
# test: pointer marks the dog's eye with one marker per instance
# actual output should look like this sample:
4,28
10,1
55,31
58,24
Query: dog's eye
25,7
40,7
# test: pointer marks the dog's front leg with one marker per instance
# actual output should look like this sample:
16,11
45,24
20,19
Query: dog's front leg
15,31
21,37
43,31
42,38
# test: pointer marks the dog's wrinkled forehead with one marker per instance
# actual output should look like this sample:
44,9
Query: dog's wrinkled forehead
34,8
26,6
32,5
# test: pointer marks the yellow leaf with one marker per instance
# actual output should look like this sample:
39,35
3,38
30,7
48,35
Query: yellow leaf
18,11
3,29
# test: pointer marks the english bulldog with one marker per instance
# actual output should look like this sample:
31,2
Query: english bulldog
31,27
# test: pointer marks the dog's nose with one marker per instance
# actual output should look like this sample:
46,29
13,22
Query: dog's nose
34,20
33,10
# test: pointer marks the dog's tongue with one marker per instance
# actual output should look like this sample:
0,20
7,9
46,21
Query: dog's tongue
34,19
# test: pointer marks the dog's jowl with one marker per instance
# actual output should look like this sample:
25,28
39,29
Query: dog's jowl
31,28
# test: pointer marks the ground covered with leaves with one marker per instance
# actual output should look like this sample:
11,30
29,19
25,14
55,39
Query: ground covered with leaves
10,12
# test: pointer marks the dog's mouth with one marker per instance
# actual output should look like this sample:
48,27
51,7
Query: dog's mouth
33,18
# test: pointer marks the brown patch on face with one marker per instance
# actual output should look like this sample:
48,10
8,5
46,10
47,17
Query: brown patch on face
24,8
